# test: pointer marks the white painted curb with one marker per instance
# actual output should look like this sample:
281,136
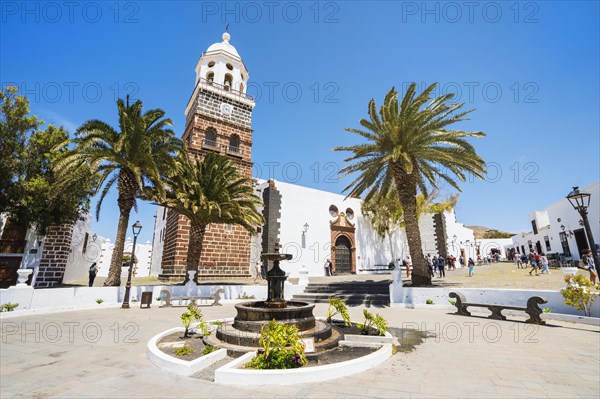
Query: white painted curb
179,366
233,374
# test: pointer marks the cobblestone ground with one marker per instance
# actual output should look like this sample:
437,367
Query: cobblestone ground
102,353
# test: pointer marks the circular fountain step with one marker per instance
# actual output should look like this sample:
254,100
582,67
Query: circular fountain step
239,342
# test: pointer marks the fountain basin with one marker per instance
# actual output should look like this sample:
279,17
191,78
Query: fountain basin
252,316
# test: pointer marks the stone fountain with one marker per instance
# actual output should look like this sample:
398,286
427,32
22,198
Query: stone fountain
243,334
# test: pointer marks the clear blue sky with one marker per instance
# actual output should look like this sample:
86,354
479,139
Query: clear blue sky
531,69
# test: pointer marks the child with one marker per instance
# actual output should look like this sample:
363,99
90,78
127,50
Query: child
471,267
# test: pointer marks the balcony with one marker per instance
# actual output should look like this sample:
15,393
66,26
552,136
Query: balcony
210,145
235,151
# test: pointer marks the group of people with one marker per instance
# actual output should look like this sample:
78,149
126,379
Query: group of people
437,264
540,265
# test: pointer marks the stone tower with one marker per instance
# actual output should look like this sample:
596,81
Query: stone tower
218,119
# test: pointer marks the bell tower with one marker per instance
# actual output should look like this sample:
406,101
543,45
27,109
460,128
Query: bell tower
218,119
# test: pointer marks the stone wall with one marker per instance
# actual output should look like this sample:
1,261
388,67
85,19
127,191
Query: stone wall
57,246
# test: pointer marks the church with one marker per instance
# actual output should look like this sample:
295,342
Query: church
310,224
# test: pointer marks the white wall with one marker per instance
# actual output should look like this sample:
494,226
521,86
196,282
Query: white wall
562,213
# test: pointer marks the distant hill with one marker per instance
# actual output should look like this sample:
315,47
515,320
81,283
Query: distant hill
480,231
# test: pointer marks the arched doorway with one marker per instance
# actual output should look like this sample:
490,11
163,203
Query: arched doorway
343,259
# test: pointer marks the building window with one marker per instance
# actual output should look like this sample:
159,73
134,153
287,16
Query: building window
164,213
210,138
229,66
333,211
349,213
565,244
241,87
85,242
211,64
535,231
547,242
210,77
234,145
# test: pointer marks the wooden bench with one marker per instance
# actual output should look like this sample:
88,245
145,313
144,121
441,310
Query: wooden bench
166,296
532,308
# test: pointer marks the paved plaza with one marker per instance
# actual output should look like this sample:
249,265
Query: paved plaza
102,353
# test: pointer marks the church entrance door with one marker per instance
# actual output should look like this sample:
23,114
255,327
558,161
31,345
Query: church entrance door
343,262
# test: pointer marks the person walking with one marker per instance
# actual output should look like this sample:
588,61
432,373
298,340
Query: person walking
518,260
471,267
328,268
92,274
544,262
429,264
533,263
589,264
441,266
434,264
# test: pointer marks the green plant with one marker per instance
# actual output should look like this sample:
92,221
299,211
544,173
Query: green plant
579,292
281,347
183,351
452,302
216,322
373,321
429,302
336,305
546,310
193,314
209,349
99,301
246,296
159,298
8,307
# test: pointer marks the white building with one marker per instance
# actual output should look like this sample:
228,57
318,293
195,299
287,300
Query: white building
316,225
558,229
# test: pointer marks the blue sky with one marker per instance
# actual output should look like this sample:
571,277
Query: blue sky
531,69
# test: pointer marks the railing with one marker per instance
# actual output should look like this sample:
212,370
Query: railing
223,88
12,246
234,150
210,144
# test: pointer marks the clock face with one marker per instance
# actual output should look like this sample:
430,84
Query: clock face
226,109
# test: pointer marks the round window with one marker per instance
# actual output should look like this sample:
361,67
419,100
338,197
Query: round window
350,213
230,67
333,211
211,64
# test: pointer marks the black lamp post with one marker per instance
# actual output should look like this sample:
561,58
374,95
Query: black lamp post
580,200
137,227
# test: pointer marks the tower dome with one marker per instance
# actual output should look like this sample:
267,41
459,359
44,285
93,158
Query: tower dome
222,68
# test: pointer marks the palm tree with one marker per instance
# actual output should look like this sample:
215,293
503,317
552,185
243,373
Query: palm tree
135,157
409,146
206,191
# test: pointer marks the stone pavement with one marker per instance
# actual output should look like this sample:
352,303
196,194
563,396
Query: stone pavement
102,354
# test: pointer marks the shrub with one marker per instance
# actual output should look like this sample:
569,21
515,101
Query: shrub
452,302
246,296
546,310
183,351
209,349
579,292
281,347
372,321
216,322
336,305
99,301
193,314
430,302
8,307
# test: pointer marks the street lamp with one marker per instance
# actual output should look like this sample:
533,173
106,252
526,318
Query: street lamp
137,227
580,200
304,230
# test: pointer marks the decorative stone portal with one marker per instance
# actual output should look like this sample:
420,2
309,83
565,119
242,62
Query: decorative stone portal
343,248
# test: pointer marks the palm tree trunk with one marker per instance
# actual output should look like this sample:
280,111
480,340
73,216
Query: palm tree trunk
125,201
194,251
406,185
